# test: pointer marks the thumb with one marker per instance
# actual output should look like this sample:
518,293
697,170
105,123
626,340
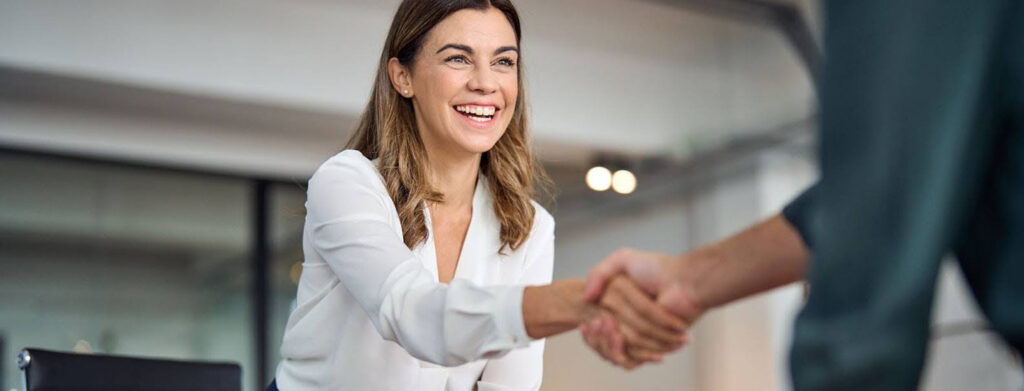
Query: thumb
600,274
681,302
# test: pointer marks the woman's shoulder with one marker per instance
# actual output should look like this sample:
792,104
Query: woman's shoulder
348,165
543,221
347,174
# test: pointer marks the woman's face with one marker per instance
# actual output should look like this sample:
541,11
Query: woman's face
465,82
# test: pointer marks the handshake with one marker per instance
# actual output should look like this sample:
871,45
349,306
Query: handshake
637,306
640,307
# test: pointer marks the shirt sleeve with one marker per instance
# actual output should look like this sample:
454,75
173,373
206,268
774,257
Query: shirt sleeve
448,325
523,369
800,214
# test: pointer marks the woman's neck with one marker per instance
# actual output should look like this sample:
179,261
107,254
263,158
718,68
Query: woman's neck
455,177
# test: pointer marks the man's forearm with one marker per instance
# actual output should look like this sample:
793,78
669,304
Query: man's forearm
765,256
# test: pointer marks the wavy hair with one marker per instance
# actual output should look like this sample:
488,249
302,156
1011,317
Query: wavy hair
387,131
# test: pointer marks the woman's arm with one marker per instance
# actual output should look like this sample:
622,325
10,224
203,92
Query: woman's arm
348,211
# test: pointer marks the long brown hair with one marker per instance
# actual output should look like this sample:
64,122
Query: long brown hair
387,131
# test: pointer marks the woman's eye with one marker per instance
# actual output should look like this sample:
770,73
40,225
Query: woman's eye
457,60
507,62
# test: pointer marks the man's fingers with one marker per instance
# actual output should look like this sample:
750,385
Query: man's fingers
635,310
636,330
613,344
616,346
634,338
599,334
605,344
638,354
589,333
600,274
646,306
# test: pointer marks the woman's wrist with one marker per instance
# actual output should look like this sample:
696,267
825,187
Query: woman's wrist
555,308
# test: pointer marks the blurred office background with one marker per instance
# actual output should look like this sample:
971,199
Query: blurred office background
154,153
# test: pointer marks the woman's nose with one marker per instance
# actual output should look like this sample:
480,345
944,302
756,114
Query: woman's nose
483,81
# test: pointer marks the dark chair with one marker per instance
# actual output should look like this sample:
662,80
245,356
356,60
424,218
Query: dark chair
44,370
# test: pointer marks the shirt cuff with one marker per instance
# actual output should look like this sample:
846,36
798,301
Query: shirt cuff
512,316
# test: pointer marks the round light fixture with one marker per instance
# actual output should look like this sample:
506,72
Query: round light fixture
623,182
599,178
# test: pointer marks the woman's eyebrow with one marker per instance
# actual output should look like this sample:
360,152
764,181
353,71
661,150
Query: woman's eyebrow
456,46
469,50
504,49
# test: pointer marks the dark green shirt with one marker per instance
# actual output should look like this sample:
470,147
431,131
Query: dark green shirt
922,155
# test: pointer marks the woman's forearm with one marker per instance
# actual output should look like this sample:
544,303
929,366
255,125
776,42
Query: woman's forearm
554,308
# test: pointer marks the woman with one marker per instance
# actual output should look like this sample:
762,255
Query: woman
425,258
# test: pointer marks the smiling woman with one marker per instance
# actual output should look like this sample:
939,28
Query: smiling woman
455,86
427,263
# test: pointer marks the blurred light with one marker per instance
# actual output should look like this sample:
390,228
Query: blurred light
82,346
295,272
624,182
599,178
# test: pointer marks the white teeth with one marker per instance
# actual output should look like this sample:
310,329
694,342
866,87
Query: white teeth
476,110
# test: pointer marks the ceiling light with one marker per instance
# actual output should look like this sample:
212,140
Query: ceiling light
624,182
599,178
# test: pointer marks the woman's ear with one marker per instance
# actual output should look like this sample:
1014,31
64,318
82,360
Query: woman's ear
401,78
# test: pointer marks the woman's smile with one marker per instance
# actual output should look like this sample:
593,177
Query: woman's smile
480,116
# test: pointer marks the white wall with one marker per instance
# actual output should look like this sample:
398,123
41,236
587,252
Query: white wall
673,77
971,358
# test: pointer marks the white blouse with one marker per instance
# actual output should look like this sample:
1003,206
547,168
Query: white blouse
371,314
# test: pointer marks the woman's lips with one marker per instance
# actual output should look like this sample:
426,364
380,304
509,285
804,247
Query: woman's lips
472,119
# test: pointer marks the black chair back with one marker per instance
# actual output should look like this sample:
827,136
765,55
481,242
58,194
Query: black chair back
44,370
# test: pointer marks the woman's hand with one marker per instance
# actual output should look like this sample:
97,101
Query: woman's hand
628,328
624,323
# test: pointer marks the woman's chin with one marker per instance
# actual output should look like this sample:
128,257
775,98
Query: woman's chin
478,148
478,143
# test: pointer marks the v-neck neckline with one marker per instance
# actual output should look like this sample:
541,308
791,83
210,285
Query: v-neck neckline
467,242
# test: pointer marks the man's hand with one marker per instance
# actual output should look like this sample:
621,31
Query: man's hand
764,256
633,328
657,274
648,329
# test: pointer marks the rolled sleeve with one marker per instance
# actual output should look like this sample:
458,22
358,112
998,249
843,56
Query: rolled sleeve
800,214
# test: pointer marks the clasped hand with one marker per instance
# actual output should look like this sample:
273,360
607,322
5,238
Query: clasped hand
644,311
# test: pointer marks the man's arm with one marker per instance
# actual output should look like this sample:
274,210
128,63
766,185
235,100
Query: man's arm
764,256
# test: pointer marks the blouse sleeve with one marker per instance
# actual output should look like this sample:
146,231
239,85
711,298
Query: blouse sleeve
348,209
523,369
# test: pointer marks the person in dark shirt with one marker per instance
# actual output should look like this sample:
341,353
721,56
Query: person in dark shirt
922,155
